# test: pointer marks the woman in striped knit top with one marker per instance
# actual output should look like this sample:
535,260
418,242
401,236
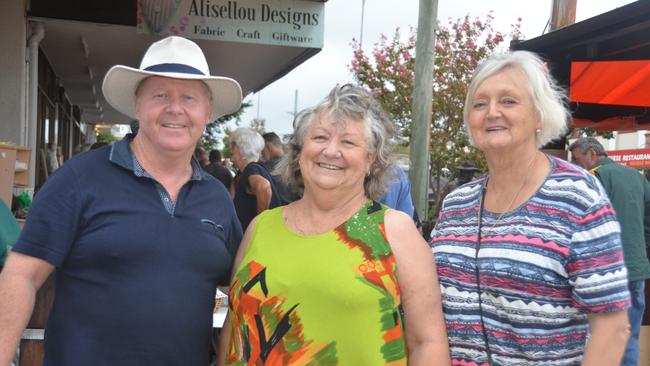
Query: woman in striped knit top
529,255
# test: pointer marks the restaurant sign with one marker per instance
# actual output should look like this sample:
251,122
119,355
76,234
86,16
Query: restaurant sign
638,158
295,23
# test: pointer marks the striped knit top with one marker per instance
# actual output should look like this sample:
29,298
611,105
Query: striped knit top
539,271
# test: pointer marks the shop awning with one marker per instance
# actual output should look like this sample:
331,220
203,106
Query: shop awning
583,59
83,39
611,82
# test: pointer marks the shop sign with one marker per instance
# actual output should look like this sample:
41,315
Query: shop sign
295,23
638,158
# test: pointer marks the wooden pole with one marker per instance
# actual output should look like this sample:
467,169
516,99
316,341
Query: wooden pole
421,112
563,14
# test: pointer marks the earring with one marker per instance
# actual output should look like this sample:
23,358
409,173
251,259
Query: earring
538,130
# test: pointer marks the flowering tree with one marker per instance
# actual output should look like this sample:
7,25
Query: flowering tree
461,45
214,130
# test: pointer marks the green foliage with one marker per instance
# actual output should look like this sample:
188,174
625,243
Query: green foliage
593,133
225,152
213,132
105,137
461,45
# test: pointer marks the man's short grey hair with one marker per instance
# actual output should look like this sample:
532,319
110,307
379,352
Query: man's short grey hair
549,100
583,145
345,104
249,142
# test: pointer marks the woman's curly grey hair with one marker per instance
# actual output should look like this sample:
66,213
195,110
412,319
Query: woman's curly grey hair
347,103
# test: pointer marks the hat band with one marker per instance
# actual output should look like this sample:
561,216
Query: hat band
178,68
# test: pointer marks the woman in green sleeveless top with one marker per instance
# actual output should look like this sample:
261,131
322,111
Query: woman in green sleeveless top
335,278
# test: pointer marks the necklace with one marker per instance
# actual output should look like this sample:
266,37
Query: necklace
514,198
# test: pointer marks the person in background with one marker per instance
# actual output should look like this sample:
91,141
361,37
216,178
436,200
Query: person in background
139,235
52,160
254,190
529,255
9,231
271,155
202,157
629,192
398,193
229,165
217,170
80,148
335,278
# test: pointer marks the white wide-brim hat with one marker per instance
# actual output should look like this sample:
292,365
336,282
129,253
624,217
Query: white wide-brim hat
172,57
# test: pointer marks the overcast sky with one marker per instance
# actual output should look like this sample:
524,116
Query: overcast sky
314,78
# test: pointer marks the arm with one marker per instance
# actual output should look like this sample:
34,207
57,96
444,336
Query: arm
230,186
224,335
404,201
426,336
261,188
19,280
609,333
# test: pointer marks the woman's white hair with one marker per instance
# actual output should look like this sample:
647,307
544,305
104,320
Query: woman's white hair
249,142
548,98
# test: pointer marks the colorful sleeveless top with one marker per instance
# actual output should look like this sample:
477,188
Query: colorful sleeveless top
328,299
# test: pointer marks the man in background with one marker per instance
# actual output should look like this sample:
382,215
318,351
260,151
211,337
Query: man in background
217,170
202,157
272,153
629,192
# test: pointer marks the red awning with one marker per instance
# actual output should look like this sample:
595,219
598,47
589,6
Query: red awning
609,124
611,82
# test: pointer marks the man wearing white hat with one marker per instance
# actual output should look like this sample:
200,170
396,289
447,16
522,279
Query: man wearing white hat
139,234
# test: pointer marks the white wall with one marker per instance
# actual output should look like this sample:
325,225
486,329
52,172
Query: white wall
628,140
13,37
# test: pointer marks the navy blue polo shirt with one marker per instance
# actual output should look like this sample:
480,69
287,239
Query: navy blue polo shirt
135,273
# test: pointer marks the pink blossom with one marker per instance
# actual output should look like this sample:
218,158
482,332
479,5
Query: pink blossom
185,20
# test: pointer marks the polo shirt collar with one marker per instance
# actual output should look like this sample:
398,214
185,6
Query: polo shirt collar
122,155
602,161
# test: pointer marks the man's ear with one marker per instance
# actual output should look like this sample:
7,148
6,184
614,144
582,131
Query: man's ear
136,106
